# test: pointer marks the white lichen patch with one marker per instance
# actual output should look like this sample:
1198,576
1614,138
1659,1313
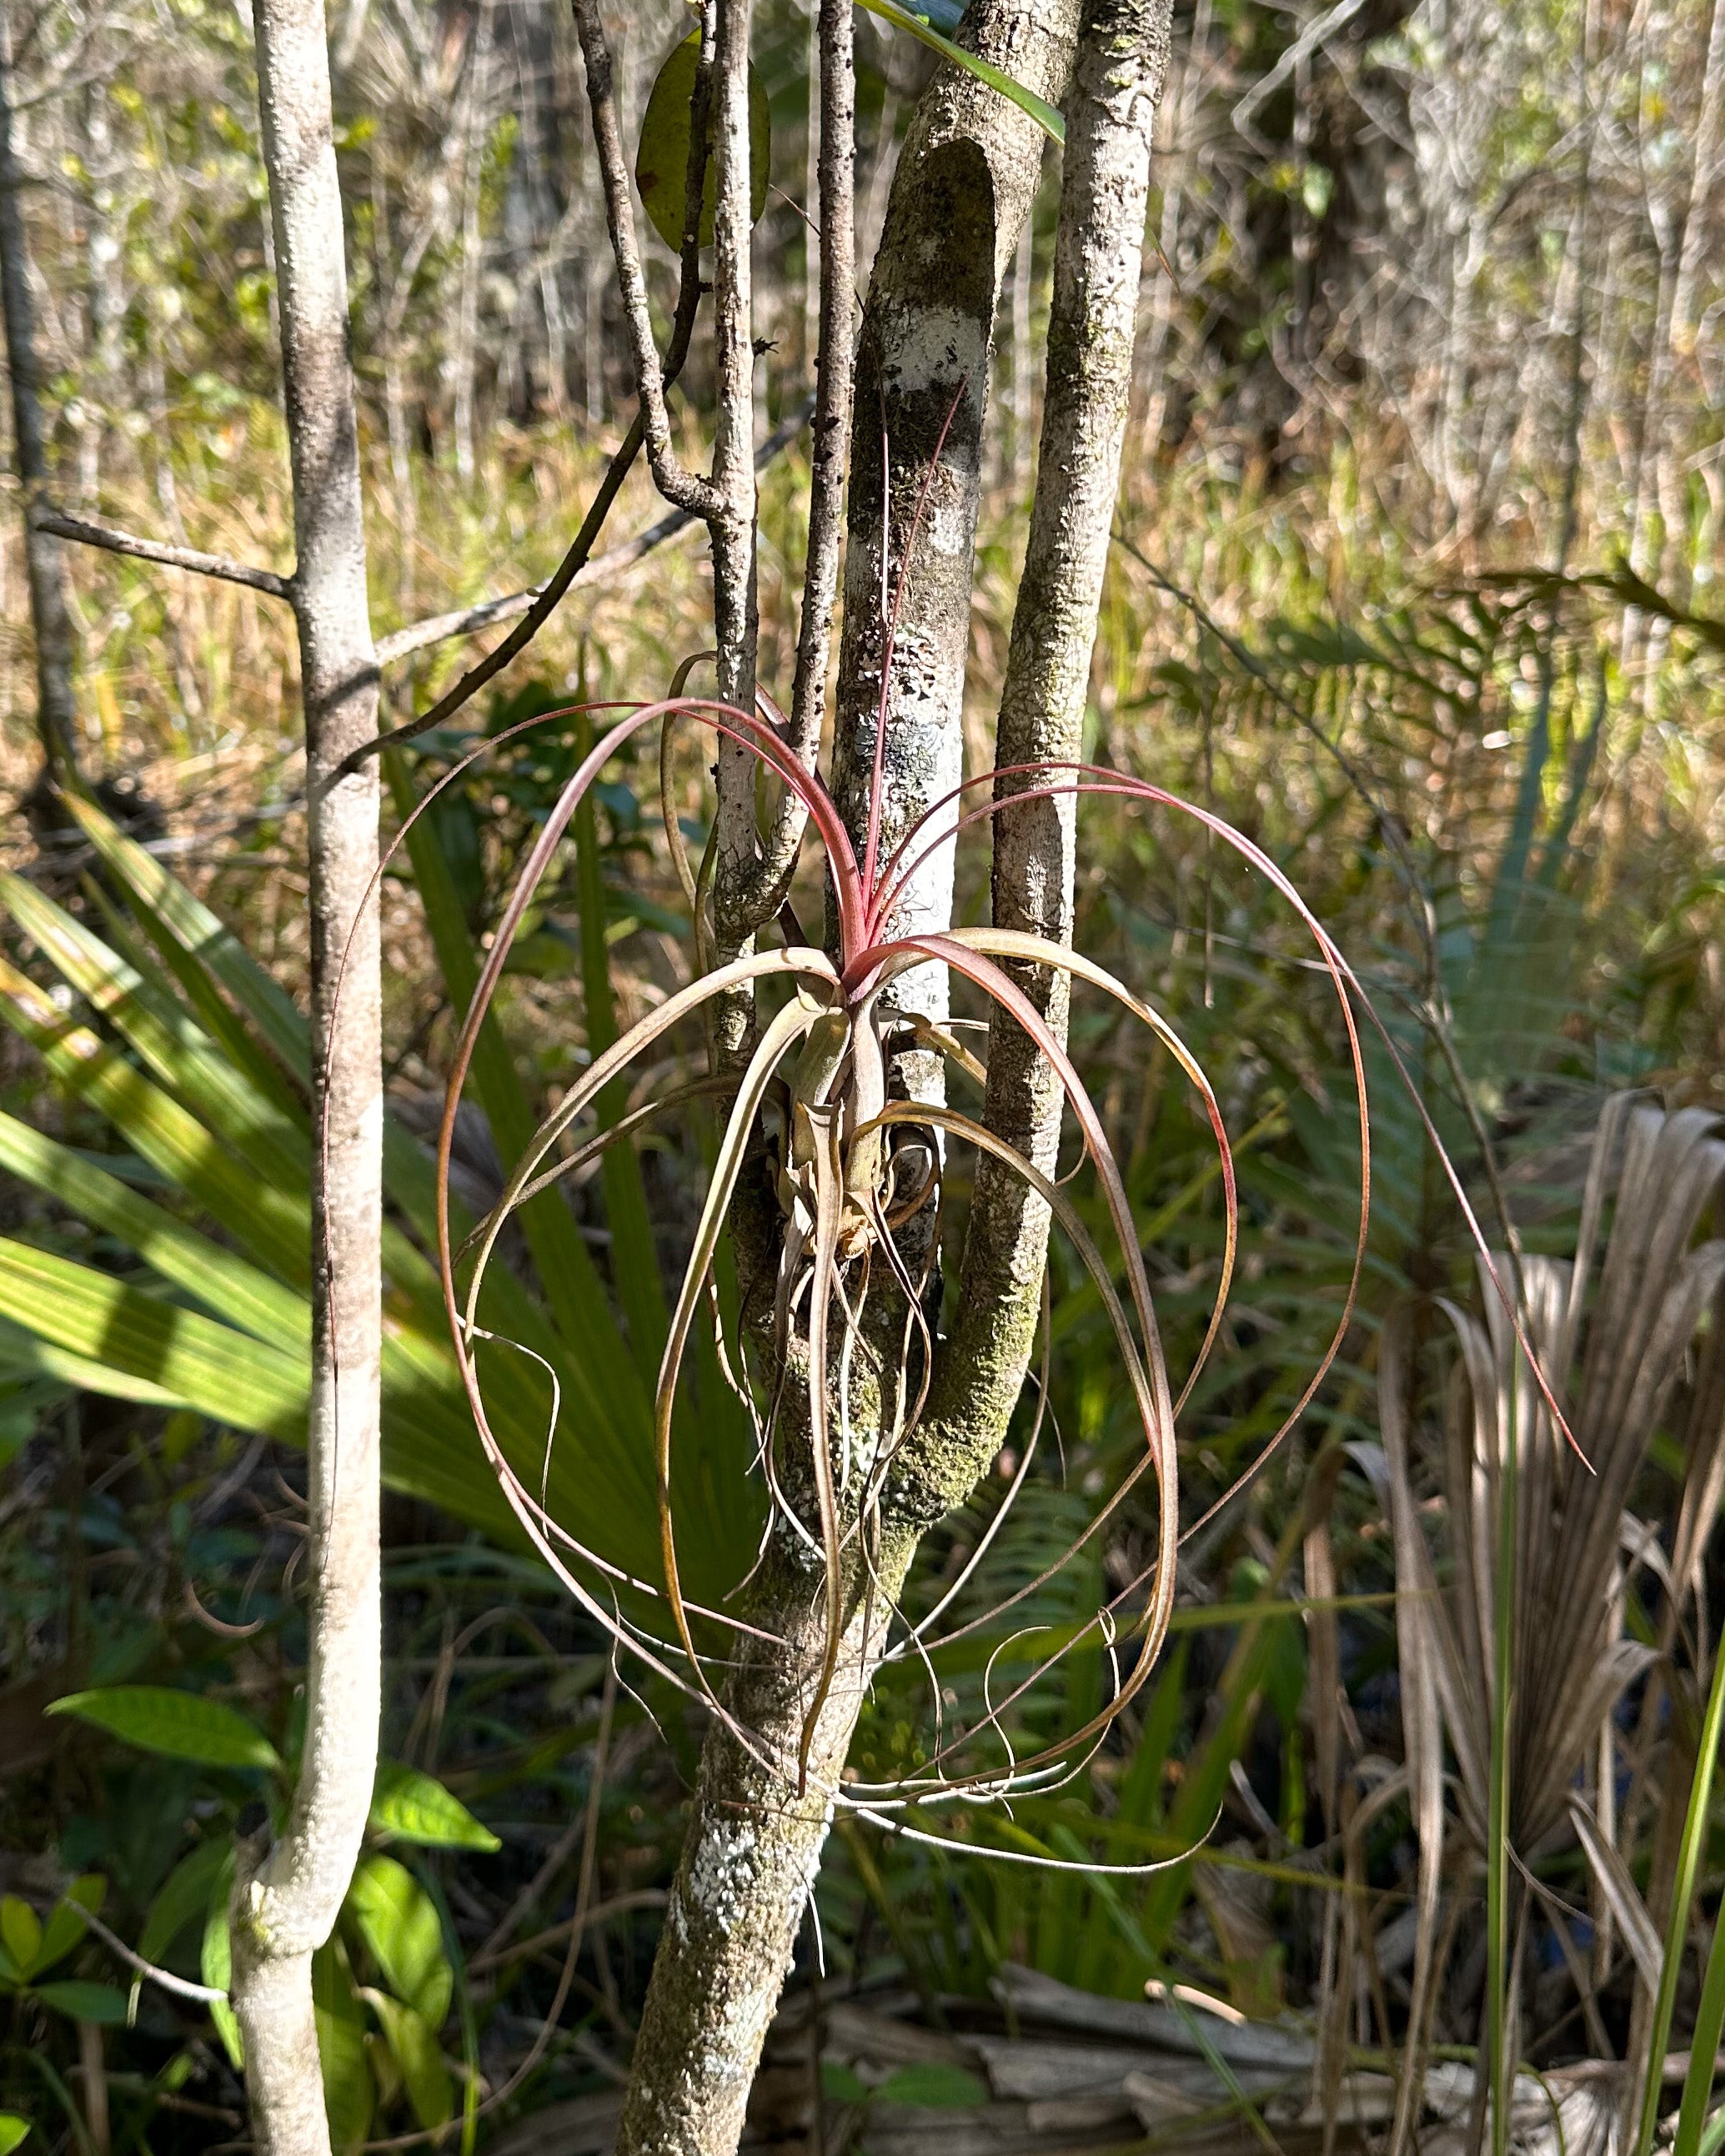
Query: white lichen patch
927,345
720,1884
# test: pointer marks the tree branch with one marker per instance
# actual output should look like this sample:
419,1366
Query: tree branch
542,606
286,1896
45,571
735,624
680,487
1122,56
181,1987
113,541
835,368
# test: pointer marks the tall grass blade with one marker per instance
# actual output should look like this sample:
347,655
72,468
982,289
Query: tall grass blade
1703,2054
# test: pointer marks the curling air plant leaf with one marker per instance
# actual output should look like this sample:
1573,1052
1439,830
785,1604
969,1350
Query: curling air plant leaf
811,1121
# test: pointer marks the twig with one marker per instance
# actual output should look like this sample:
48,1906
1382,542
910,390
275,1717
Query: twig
835,368
683,488
182,1986
113,541
619,1905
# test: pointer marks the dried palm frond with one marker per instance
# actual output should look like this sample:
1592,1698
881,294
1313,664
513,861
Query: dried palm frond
1612,1329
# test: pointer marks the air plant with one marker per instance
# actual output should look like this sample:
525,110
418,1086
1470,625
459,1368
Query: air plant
852,1168
855,1176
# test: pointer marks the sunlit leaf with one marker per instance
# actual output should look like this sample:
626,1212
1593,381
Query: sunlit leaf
182,1897
413,2041
180,1725
215,1962
398,1921
347,2091
415,1808
921,29
21,1931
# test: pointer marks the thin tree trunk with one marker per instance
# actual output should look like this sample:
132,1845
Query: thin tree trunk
286,1899
961,193
45,565
979,1368
963,186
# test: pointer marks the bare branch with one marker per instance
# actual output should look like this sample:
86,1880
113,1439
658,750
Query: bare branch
181,1987
735,606
679,486
113,541
542,604
835,370
50,612
287,1894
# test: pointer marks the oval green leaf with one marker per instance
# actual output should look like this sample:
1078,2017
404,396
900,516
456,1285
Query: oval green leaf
84,2002
414,2043
65,1925
399,1924
21,1933
348,2086
177,1724
183,1897
662,161
413,1807
13,2130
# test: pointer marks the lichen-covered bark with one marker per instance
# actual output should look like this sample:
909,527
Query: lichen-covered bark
962,188
286,1901
749,1865
1123,57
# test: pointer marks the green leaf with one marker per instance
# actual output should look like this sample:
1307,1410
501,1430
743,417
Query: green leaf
662,161
230,1289
842,2084
101,2003
413,2042
347,2092
398,1921
599,1374
415,1808
215,1962
65,1924
179,1724
21,1931
184,1896
932,2085
1038,108
13,2130
268,1223
208,942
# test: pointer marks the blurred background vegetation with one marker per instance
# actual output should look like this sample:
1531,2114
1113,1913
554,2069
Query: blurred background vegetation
1424,505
